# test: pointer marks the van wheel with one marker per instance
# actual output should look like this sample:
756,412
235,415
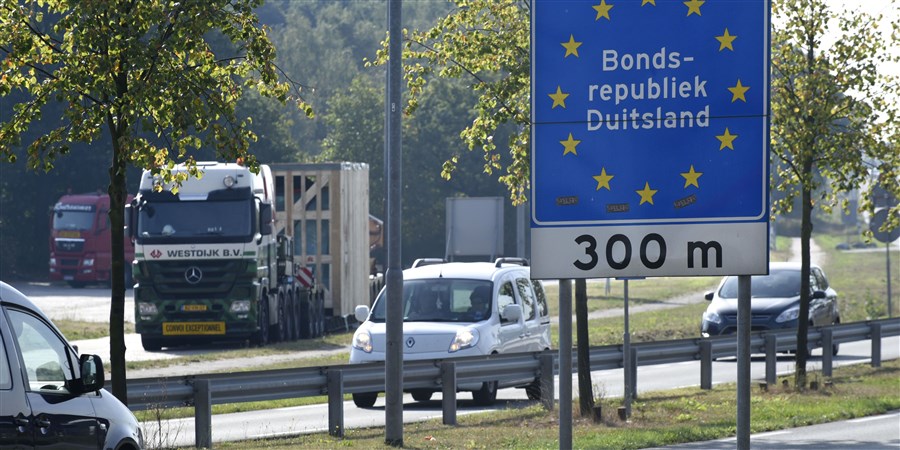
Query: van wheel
421,395
151,344
365,399
487,395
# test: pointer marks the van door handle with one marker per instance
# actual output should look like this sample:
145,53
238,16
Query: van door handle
43,422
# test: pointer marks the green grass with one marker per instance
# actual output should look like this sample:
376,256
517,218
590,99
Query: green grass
77,330
658,418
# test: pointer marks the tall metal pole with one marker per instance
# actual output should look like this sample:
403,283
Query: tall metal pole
887,252
743,364
629,382
393,368
565,364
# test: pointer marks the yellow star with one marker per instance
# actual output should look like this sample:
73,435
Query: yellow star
559,98
603,179
602,10
572,46
725,41
691,177
646,194
727,139
652,2
738,91
570,145
694,6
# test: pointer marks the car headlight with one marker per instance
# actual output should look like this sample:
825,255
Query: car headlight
362,340
788,315
146,309
240,306
713,317
465,338
89,262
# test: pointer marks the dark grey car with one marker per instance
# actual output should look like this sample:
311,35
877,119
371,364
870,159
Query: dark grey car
774,301
49,396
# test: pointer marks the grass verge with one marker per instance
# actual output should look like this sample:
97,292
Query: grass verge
658,418
77,330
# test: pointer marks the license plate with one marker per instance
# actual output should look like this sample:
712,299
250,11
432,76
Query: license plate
193,308
192,328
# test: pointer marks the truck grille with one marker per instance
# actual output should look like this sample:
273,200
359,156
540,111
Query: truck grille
209,278
69,245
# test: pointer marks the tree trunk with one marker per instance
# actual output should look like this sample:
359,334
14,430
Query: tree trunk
117,196
806,227
585,385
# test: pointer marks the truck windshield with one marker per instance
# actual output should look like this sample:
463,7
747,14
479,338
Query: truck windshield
215,221
441,300
73,217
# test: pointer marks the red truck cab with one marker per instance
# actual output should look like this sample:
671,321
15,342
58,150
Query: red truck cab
80,241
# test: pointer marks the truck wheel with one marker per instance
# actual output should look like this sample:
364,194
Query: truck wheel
421,395
281,330
298,321
151,344
291,322
365,399
307,320
533,390
320,316
261,338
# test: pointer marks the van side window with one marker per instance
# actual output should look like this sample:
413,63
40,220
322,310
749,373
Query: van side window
506,297
527,295
542,306
48,360
5,377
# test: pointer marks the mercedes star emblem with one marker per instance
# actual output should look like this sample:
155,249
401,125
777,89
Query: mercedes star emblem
193,275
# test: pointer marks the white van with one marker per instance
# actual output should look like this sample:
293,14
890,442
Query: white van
460,309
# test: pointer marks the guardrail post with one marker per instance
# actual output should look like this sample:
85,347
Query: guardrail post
771,359
876,344
335,380
705,364
827,355
633,382
548,390
448,394
202,414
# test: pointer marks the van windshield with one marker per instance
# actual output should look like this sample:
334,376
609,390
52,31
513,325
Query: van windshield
441,300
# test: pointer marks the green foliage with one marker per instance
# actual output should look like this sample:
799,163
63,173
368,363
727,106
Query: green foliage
487,43
834,125
145,71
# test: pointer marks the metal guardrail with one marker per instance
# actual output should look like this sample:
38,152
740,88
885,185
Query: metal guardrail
202,391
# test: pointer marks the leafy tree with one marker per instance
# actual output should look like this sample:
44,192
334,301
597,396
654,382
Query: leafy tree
832,119
147,74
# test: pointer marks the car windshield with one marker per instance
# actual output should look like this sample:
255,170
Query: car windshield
777,284
441,300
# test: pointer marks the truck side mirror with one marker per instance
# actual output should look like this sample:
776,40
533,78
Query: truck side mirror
265,219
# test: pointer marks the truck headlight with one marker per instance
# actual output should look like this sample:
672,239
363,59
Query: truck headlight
362,340
52,262
710,316
88,262
465,338
788,315
146,309
240,306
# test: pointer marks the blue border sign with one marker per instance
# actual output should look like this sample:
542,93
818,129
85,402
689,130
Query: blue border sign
650,116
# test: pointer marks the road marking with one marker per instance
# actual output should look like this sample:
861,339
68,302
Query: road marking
873,418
